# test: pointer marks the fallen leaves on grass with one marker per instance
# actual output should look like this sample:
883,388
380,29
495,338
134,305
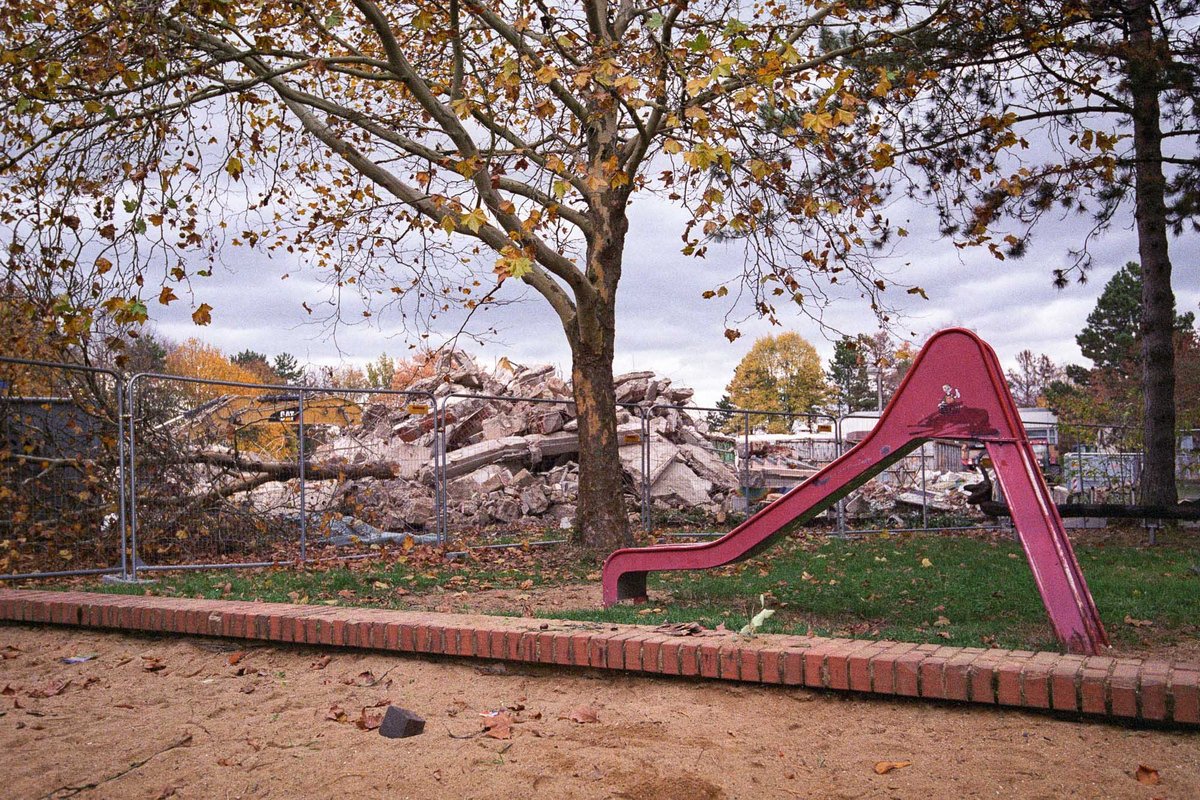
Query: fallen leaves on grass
884,767
1138,623
1147,775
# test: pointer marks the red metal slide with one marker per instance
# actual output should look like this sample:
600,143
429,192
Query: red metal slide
955,389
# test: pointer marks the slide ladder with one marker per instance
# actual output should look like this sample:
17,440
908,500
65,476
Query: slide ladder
955,390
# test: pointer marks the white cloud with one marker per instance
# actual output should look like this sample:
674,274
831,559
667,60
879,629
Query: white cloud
663,323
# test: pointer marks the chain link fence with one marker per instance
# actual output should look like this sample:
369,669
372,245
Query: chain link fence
99,474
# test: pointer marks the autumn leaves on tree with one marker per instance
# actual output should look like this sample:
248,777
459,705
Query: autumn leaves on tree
439,155
402,146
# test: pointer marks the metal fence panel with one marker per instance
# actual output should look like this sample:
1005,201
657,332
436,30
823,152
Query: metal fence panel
226,472
371,478
62,489
211,473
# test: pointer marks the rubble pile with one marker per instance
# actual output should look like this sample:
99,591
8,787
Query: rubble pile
514,462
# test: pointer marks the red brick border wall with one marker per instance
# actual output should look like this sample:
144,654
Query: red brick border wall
1097,685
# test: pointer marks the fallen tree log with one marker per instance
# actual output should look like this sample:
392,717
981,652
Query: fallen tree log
264,471
1183,511
286,470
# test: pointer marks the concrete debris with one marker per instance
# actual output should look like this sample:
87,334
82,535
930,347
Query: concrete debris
514,462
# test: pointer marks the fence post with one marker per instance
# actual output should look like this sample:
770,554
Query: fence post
924,493
440,489
841,503
131,401
122,476
303,505
647,520
746,460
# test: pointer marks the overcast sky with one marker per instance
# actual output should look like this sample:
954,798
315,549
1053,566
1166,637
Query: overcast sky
664,325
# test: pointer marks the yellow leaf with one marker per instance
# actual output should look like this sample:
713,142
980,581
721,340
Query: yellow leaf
884,767
475,220
547,74
234,167
468,167
448,224
882,157
103,265
202,315
926,563
422,20
671,147
818,122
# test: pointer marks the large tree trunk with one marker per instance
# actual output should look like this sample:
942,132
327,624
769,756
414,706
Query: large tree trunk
600,523
1158,300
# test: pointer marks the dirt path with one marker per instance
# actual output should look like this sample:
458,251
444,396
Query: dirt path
156,718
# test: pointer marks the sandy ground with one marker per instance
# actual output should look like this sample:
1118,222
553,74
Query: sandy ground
173,717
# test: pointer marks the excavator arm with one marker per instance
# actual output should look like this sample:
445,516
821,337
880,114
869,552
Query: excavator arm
956,390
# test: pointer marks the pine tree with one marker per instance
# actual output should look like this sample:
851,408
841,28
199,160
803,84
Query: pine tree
849,376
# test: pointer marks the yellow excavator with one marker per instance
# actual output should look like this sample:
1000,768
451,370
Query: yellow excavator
267,423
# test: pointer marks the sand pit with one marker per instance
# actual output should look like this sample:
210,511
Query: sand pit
157,717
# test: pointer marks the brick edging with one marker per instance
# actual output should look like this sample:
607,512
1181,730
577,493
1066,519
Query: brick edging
1128,688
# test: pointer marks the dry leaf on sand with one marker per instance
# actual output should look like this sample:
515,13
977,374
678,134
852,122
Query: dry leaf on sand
884,767
1148,775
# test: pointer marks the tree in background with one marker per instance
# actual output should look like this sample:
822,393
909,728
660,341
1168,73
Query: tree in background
723,418
1112,337
1109,395
1031,378
345,376
887,363
780,373
407,371
849,375
256,363
195,359
416,151
287,369
381,372
1041,109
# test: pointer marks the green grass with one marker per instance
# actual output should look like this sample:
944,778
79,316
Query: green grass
970,592
383,585
941,589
